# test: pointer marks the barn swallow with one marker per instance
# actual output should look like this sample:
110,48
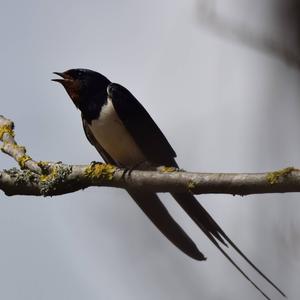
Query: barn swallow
125,135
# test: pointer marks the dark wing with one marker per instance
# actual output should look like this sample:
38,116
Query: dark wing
106,157
141,126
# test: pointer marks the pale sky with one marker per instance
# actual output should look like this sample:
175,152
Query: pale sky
223,106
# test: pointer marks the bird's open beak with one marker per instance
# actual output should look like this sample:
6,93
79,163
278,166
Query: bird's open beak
65,78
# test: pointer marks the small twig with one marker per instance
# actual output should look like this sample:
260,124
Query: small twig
14,150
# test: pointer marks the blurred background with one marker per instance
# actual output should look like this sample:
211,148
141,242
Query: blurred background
221,78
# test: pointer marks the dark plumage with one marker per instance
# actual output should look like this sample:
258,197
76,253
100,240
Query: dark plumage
124,134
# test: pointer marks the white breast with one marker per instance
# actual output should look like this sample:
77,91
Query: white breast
112,135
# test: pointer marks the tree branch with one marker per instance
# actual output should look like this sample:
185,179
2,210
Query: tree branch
50,179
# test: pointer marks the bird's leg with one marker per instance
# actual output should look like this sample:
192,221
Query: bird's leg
142,165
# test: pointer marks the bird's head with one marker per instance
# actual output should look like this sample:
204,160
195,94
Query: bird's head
81,84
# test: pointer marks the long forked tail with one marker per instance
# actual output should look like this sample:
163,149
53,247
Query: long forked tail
159,215
214,232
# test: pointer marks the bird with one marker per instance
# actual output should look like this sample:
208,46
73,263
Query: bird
125,135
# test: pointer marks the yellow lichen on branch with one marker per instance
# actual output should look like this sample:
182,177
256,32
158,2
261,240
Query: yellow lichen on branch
100,170
273,177
191,185
165,169
6,129
22,160
53,176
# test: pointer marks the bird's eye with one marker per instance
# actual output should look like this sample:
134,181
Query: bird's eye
79,74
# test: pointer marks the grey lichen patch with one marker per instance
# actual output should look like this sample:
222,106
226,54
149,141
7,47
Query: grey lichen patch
13,172
26,177
56,175
99,170
274,177
22,176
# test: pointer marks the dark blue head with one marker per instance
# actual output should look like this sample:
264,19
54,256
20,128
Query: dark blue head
82,84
